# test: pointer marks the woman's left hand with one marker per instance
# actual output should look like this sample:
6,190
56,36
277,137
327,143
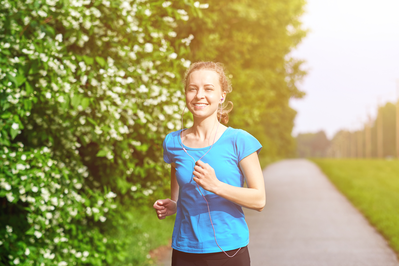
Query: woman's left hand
205,176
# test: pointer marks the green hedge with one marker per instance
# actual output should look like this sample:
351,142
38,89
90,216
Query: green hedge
88,90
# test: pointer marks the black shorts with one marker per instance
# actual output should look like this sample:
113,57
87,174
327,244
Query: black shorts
211,259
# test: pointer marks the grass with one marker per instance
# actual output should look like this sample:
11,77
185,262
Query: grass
145,233
373,187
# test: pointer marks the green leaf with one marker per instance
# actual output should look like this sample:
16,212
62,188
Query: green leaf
5,106
30,231
85,103
88,60
13,133
102,153
92,121
76,101
27,104
28,88
19,80
100,61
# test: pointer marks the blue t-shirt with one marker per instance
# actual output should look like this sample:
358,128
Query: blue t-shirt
193,231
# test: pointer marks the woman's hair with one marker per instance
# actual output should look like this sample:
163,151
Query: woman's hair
225,84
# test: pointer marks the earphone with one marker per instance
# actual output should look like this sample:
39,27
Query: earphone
207,203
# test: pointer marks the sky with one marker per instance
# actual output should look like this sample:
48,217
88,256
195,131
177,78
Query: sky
352,58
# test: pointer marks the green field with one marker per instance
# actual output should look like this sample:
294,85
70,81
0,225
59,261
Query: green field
146,233
373,187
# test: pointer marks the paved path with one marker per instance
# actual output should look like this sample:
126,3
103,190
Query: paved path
307,222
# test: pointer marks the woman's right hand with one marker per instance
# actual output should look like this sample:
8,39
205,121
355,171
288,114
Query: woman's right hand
165,207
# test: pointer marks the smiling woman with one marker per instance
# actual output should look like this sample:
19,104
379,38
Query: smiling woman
209,165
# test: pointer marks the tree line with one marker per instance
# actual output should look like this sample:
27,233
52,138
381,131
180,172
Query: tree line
378,138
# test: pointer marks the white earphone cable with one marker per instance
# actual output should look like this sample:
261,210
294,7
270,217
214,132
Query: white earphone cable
207,203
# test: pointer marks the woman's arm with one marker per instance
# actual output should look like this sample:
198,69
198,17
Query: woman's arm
166,207
252,197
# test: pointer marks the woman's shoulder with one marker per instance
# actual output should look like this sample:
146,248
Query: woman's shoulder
172,138
238,133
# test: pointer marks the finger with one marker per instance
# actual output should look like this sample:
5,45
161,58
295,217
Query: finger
200,163
198,174
197,180
158,207
198,169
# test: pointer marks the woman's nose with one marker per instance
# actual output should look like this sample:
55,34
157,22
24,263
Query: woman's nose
200,93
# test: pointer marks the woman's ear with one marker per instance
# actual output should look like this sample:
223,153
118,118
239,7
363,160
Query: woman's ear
223,97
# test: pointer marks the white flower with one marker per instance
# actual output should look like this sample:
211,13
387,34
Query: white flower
170,125
10,197
173,56
172,34
16,261
147,12
85,253
78,254
83,79
49,215
23,157
95,210
62,263
6,186
102,219
42,13
38,234
148,47
35,189
61,99
8,229
186,63
166,3
204,6
59,37
27,251
168,19
133,188
24,177
15,126
20,167
196,4
48,95
110,195
182,12
82,120
82,65
6,45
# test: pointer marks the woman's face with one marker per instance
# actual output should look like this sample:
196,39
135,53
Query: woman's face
203,93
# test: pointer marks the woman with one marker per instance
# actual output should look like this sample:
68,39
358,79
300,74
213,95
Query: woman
209,164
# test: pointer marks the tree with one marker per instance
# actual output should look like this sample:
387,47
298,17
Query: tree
253,40
88,90
312,144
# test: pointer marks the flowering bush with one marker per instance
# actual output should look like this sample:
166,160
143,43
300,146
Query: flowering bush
88,89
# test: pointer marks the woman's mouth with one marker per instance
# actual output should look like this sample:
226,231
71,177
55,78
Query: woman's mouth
200,104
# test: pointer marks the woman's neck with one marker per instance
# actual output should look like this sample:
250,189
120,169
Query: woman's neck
204,129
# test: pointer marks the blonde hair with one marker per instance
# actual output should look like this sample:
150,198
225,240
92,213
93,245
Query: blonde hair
225,84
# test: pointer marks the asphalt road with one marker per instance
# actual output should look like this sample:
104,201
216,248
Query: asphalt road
307,222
